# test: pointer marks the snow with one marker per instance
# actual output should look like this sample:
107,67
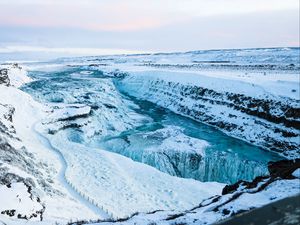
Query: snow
27,113
174,90
17,75
296,173
205,215
175,140
16,197
122,187
110,182
277,190
258,86
91,183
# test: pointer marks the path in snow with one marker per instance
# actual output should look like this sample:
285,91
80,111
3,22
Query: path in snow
62,178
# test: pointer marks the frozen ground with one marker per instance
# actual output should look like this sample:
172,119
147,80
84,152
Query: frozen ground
26,162
94,180
241,109
249,94
133,128
68,154
122,187
218,208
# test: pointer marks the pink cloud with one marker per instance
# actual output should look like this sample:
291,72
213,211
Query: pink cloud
120,17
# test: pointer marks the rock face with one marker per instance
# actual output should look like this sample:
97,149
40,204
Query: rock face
4,79
20,202
13,183
13,75
282,169
272,123
15,158
24,179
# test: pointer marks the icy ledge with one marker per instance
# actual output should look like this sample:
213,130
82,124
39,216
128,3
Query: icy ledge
171,151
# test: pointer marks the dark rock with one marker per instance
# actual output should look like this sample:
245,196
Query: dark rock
4,79
9,212
283,168
109,106
16,65
280,169
283,212
226,212
231,188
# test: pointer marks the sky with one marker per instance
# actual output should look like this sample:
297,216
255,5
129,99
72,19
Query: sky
90,27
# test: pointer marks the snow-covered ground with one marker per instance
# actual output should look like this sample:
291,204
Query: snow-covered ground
29,162
242,109
50,173
106,181
249,94
122,187
217,208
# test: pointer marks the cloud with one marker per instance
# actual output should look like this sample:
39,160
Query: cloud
65,51
148,25
121,15
264,29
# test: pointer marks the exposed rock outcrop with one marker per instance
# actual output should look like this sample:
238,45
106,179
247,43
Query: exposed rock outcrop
4,79
282,169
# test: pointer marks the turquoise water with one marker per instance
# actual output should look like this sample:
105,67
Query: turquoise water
226,159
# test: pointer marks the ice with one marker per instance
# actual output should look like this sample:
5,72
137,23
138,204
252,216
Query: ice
171,151
102,150
108,111
223,103
121,186
121,124
166,149
296,173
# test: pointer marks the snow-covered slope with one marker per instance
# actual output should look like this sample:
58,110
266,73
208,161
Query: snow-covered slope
251,94
114,183
59,180
235,200
53,169
28,170
253,112
215,209
16,75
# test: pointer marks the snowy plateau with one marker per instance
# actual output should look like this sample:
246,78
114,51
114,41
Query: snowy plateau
169,138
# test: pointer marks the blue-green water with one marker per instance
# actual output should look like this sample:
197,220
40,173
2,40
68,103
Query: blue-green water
226,159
